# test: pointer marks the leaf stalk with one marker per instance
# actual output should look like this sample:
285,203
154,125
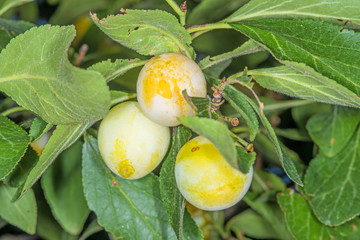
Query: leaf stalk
12,110
176,8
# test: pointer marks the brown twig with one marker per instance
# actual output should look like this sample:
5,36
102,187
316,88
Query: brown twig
82,52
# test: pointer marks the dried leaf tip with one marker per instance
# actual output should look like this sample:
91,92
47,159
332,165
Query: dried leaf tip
183,7
94,16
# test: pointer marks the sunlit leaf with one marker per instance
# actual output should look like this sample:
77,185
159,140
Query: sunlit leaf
150,32
332,11
22,213
36,73
332,184
305,40
331,131
62,185
131,209
303,224
13,143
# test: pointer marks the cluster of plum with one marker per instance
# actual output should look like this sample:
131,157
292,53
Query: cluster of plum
134,136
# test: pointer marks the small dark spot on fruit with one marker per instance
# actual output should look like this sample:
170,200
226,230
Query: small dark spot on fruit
195,149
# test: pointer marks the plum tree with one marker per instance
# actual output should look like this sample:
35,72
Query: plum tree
206,179
161,82
131,144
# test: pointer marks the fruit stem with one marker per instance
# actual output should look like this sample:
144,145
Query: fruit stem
240,129
12,110
239,140
200,29
178,11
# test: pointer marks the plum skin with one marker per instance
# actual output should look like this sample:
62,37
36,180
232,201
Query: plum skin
206,179
131,144
160,84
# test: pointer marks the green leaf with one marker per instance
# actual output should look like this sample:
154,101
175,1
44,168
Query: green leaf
271,212
217,219
131,209
150,32
241,105
214,71
40,78
252,224
285,160
334,12
248,47
174,203
216,132
10,29
293,134
275,106
303,224
92,228
218,9
331,183
47,227
18,176
8,4
63,190
305,40
62,138
202,107
38,128
264,146
298,80
244,159
2,223
13,143
332,130
111,70
119,96
302,114
265,181
21,213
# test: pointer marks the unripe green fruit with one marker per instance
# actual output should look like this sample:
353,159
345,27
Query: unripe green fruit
206,179
160,84
131,144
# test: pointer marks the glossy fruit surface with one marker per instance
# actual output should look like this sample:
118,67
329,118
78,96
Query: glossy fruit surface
160,84
205,179
131,144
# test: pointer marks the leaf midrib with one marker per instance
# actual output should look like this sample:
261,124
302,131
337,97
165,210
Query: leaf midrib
305,86
265,12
